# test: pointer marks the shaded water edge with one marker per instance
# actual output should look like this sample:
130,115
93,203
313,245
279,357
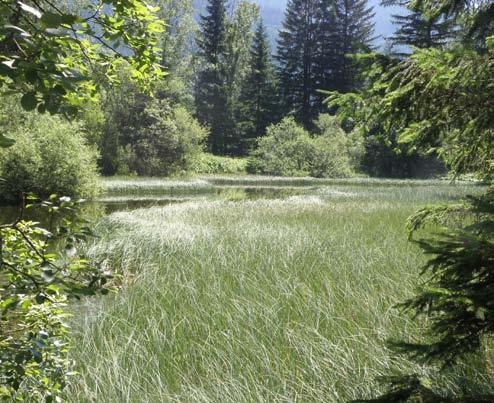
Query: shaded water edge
131,194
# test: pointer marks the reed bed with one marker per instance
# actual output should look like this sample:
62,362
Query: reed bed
283,300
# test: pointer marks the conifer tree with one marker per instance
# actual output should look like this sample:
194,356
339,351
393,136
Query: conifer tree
212,44
438,101
313,49
355,35
224,48
211,97
414,29
296,53
327,54
257,101
239,40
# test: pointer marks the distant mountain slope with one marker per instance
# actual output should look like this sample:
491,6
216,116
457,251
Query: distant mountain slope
273,13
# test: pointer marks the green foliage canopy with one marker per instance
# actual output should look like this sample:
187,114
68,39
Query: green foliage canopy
146,135
40,268
441,101
437,101
50,156
414,29
166,141
57,58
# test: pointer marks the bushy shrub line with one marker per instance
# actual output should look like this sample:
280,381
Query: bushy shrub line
213,164
290,150
50,156
167,142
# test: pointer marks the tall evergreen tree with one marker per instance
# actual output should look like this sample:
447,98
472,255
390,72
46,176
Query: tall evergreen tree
224,48
296,54
355,21
257,103
212,43
327,51
211,96
239,39
415,30
313,49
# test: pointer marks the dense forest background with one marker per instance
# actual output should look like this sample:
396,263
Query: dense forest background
242,92
272,12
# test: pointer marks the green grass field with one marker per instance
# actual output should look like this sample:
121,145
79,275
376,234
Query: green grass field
288,298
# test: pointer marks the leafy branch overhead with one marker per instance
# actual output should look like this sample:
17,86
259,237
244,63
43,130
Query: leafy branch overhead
57,58
435,101
41,268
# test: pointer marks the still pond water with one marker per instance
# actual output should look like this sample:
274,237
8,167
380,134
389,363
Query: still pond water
108,204
131,194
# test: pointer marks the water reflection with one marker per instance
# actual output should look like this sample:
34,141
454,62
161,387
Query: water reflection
109,204
120,201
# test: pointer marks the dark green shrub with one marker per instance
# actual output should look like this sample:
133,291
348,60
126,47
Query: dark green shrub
148,137
166,142
143,135
50,156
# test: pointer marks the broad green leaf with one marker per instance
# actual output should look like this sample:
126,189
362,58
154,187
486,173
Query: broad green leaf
30,9
51,20
29,101
6,142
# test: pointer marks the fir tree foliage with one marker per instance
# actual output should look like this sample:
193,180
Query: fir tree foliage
212,42
225,44
415,30
257,103
239,39
296,54
355,36
211,96
475,17
328,52
440,100
418,29
314,46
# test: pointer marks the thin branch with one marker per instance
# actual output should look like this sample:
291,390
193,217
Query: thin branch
98,8
38,5
22,273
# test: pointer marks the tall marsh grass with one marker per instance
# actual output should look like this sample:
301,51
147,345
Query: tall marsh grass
142,185
286,300
258,180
